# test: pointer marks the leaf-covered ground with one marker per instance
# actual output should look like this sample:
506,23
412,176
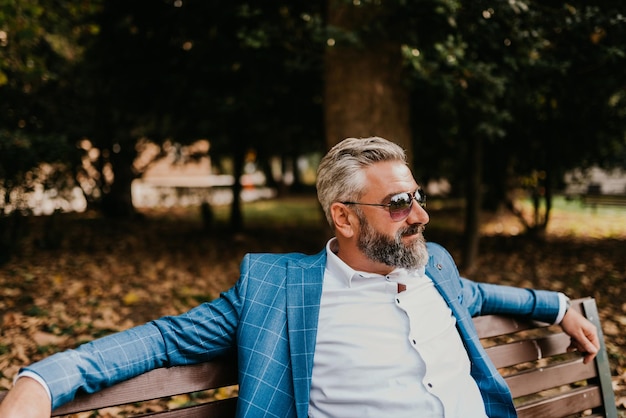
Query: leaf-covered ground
87,277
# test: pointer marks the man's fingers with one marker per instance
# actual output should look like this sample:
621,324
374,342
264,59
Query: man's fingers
583,334
587,348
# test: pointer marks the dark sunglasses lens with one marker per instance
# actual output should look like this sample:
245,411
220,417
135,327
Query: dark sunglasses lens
420,197
400,206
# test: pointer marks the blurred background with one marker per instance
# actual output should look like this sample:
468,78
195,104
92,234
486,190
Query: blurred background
146,145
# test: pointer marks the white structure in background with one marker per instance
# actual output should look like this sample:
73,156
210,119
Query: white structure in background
47,201
192,191
177,180
598,180
438,187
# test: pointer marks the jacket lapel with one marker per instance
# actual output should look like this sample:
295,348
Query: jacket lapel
304,291
441,279
445,277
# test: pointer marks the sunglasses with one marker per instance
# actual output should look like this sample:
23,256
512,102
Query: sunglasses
399,205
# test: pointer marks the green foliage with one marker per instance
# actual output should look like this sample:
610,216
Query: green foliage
39,40
117,72
527,79
28,162
531,79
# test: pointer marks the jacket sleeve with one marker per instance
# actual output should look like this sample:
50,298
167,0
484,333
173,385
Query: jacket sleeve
486,299
198,335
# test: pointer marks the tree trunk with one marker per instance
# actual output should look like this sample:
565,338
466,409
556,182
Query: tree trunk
473,193
236,213
543,192
548,195
118,200
363,92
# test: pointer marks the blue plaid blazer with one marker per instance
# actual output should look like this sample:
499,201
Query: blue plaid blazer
270,316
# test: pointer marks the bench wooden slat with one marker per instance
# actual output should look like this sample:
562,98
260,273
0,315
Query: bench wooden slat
542,378
528,350
156,384
494,325
563,404
216,409
604,199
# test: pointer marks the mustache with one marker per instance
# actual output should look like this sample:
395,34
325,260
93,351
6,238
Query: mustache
411,230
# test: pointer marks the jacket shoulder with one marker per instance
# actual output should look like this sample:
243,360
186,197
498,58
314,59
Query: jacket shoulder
282,260
439,253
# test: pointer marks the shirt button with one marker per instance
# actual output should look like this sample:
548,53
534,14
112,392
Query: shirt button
430,385
397,300
414,342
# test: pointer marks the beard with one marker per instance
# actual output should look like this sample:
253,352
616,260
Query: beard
391,251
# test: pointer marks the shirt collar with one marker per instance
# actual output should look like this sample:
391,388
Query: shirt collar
344,273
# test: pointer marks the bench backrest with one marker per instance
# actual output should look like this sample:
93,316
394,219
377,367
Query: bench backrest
546,380
166,382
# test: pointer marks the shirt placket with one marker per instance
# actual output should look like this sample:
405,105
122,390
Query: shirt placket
402,301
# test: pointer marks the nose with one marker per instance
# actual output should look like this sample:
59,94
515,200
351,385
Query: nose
418,215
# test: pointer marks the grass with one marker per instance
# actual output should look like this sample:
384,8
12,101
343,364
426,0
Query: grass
286,212
569,218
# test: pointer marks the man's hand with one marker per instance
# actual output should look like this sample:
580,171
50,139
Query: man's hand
583,333
28,399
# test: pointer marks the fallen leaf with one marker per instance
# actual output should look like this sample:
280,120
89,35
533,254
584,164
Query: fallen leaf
45,338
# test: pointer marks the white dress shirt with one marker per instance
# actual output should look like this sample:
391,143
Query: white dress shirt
381,353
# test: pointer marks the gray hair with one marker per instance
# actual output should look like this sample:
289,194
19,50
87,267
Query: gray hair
340,175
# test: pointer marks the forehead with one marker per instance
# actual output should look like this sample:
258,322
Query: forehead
387,178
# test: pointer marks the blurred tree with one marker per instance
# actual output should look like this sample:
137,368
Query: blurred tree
240,75
124,85
39,45
364,90
38,48
497,92
263,94
568,100
505,84
458,89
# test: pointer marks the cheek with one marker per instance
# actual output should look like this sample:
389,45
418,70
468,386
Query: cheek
393,234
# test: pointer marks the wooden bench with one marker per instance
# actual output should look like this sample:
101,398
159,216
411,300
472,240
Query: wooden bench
595,200
545,380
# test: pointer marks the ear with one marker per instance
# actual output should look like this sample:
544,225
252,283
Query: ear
344,219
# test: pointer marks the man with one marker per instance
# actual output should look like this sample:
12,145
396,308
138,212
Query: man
376,324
